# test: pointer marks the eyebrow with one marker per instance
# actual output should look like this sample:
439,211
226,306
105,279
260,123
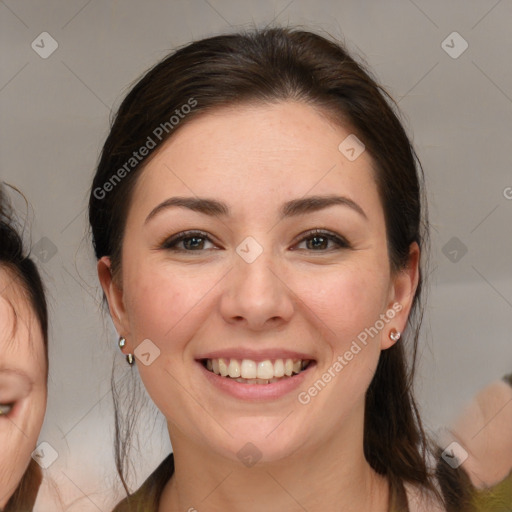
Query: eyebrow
215,208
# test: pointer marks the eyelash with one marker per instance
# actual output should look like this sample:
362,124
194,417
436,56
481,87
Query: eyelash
171,243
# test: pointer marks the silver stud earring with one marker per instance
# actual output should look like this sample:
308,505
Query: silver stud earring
129,357
395,335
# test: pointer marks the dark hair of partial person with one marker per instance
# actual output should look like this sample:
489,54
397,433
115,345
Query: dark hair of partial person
266,66
25,274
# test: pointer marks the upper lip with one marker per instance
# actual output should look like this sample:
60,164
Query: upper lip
255,355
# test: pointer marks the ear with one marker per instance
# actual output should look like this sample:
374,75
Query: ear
114,295
401,295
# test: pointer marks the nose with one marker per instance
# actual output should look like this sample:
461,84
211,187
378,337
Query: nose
255,295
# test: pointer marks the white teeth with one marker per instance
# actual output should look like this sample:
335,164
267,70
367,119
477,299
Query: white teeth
251,372
233,368
265,369
223,367
248,369
279,368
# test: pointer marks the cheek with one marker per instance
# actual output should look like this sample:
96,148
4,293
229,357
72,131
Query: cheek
31,416
18,438
11,466
160,302
346,301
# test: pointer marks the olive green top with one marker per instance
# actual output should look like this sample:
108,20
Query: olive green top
495,499
147,498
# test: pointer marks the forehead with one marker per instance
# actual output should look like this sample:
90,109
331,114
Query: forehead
252,152
19,327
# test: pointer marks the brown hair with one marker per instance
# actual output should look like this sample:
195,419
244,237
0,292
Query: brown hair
268,66
25,495
24,271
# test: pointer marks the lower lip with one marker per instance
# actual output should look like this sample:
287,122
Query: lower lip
256,392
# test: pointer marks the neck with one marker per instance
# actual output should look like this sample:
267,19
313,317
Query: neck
334,476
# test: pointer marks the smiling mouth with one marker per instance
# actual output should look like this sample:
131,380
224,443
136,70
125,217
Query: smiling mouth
247,371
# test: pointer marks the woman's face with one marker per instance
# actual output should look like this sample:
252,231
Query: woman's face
22,383
255,287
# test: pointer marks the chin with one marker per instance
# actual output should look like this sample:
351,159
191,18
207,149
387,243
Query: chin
258,440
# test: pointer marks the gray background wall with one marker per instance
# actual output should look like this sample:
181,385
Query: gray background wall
54,118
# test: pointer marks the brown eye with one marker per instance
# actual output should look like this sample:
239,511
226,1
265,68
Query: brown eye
319,241
5,409
192,241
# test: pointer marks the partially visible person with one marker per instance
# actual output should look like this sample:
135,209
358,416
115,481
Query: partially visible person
23,366
482,432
